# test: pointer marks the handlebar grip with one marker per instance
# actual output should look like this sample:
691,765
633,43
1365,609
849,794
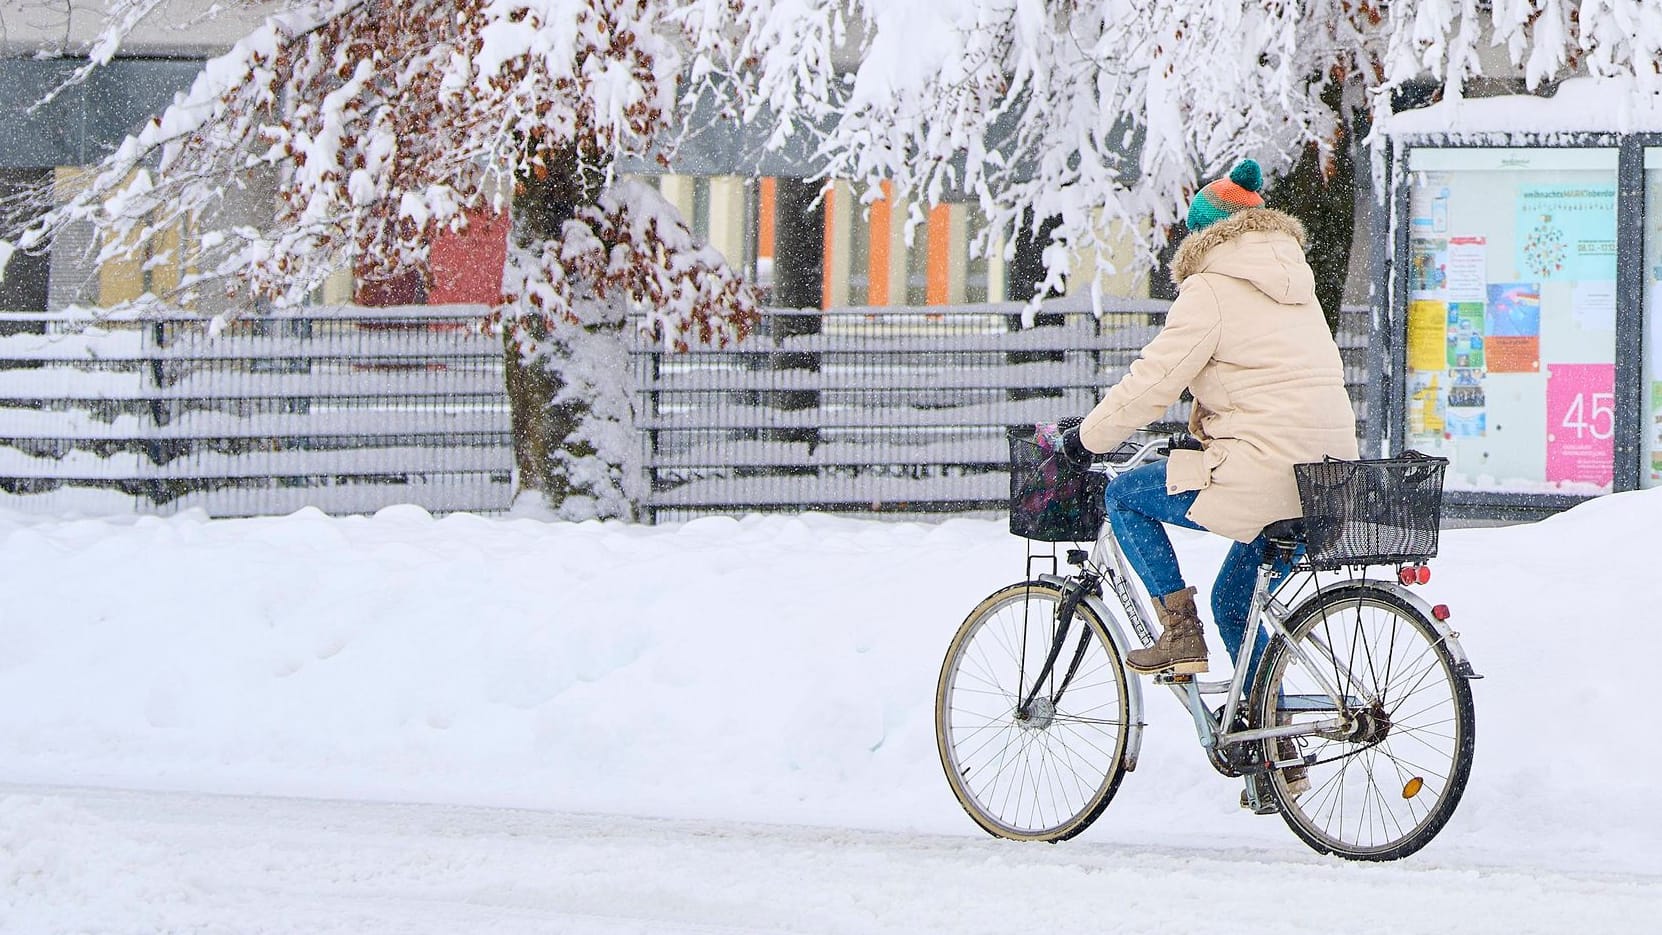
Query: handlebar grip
1182,441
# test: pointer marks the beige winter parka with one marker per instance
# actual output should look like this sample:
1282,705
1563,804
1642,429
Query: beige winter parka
1248,339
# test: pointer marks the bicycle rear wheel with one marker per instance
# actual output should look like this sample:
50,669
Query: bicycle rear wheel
1040,770
1386,782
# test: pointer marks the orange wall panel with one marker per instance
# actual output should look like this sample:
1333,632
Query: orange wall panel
829,254
766,199
940,254
877,248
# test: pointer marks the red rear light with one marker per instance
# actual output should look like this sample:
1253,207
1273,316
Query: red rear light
1414,574
1440,611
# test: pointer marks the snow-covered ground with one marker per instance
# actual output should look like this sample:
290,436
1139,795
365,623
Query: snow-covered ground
722,725
141,863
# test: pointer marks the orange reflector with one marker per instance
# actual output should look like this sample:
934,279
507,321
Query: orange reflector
1413,787
1422,574
1440,611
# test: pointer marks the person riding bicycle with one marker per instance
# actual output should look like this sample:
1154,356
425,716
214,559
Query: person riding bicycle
1248,339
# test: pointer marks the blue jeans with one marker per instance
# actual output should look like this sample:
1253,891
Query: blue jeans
1137,504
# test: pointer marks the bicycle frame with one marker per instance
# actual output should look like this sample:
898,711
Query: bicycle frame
1106,563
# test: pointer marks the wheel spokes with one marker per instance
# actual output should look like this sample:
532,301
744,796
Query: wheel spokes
1034,773
1377,791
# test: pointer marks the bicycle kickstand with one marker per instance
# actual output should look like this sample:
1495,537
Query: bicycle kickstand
1256,796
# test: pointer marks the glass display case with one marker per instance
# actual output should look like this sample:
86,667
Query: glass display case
1510,316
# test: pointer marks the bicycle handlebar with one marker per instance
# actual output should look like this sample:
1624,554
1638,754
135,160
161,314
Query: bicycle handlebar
1130,454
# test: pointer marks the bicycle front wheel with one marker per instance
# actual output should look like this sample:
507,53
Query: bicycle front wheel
1032,758
1390,767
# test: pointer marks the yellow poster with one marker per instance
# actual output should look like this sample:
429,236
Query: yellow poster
1425,407
1427,335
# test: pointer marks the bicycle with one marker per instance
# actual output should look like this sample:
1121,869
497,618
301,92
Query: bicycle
1363,682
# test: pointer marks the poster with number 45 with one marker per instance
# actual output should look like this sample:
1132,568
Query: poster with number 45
1581,423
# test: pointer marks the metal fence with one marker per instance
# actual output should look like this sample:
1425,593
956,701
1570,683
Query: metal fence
344,409
869,410
877,410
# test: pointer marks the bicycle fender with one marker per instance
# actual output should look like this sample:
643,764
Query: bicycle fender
1133,685
1449,636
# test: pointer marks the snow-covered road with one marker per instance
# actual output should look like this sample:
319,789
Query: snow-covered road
103,861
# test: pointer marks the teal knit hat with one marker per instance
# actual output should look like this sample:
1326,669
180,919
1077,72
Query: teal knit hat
1223,197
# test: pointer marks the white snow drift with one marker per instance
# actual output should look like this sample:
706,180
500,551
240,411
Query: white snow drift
773,669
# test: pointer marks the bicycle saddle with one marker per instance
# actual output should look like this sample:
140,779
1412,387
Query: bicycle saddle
1285,533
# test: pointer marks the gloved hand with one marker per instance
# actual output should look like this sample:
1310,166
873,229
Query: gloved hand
1074,450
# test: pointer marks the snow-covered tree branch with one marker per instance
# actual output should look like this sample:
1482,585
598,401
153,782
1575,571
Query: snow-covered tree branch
384,123
1094,112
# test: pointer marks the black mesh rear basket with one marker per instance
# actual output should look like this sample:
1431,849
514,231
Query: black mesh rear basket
1050,499
1371,512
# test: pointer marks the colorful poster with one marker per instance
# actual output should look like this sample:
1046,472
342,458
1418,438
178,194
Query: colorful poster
1466,415
1465,335
1425,407
1581,423
1513,321
1514,309
1465,388
1465,423
1427,265
1513,355
1468,269
1427,324
1431,196
1567,232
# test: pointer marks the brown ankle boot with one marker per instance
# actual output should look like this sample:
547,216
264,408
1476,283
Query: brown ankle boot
1182,644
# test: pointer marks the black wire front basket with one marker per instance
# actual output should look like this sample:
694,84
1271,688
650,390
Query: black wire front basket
1378,512
1051,499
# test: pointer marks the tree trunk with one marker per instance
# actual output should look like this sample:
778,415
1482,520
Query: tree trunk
541,426
1024,275
531,389
799,226
1321,192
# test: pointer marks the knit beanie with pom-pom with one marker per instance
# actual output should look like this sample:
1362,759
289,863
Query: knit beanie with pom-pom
1225,196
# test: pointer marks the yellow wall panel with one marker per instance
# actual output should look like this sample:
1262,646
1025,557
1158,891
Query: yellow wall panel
121,280
1130,279
727,218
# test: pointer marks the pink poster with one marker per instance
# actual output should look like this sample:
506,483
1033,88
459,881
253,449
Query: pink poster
1581,423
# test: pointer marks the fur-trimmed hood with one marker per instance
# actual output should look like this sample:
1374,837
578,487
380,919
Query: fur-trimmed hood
1262,246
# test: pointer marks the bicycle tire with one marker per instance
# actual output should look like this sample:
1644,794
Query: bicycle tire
1413,745
1046,776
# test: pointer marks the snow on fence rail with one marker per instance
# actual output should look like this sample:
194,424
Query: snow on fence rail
885,409
344,409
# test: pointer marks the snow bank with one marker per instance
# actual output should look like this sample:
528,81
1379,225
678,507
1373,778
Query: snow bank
764,669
